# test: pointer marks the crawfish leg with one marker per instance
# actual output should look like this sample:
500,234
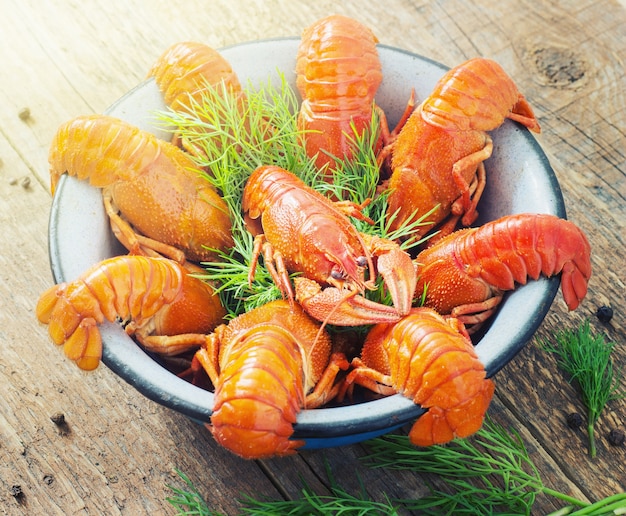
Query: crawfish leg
473,315
326,389
274,264
367,377
169,345
352,209
408,111
207,358
465,167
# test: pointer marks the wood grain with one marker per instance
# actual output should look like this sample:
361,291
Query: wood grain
118,450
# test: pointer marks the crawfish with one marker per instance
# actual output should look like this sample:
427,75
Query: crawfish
431,360
168,310
185,69
338,72
184,73
154,194
300,230
467,272
266,365
437,157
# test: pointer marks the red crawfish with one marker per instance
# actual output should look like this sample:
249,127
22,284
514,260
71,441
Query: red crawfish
431,360
167,309
267,365
154,194
467,272
300,230
437,157
338,72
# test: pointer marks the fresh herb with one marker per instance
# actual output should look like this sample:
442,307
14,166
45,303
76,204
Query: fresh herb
488,473
586,358
231,137
189,501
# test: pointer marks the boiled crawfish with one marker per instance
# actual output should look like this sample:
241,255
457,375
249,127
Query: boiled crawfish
437,157
187,72
338,72
267,365
431,360
167,309
184,71
300,230
156,198
466,273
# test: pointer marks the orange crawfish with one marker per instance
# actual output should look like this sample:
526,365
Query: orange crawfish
300,230
161,304
185,69
437,157
183,74
149,185
431,360
338,72
266,365
466,273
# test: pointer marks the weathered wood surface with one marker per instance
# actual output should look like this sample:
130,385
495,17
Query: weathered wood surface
119,450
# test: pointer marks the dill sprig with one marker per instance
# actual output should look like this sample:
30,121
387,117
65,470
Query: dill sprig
188,501
488,473
586,358
232,135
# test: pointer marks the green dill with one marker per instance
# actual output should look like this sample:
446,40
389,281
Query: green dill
232,137
188,500
488,473
586,358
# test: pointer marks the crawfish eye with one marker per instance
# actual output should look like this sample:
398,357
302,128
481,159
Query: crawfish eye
338,275
361,261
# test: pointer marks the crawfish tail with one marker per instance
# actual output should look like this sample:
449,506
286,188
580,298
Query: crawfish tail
477,95
429,360
473,265
338,72
185,69
128,287
259,393
337,66
101,148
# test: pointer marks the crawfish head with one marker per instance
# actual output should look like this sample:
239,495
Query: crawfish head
300,230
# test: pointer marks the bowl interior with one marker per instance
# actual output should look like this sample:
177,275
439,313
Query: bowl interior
520,179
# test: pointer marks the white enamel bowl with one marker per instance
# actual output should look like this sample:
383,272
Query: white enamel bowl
520,179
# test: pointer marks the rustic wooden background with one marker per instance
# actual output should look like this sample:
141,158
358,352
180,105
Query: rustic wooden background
118,450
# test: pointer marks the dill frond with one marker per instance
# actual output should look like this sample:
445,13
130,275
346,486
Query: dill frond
586,358
233,135
490,472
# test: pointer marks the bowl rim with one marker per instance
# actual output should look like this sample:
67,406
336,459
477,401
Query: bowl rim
368,418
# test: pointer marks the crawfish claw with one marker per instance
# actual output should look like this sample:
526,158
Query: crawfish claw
341,308
400,278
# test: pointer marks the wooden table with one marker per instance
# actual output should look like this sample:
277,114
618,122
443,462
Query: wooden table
119,450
